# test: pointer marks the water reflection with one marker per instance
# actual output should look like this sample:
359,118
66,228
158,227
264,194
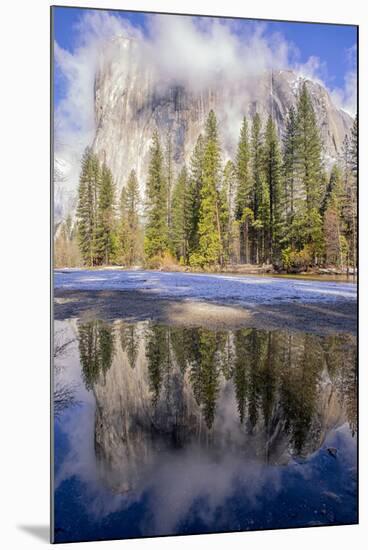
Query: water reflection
289,389
96,349
212,411
64,392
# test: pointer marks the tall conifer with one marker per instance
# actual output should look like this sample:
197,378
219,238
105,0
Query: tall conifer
272,168
243,195
89,182
181,216
105,226
156,236
210,251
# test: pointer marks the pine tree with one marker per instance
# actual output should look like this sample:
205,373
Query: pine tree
210,251
331,233
96,349
243,195
105,228
169,177
309,164
241,371
258,188
129,220
208,345
181,217
66,249
156,236
289,172
332,215
227,208
89,182
354,147
129,339
272,169
334,190
157,351
354,188
349,207
195,187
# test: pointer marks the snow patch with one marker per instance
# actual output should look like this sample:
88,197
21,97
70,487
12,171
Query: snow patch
210,287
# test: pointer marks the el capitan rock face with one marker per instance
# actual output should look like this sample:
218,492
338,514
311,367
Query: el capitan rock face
131,101
146,408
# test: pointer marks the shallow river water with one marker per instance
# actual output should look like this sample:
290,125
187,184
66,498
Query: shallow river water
165,430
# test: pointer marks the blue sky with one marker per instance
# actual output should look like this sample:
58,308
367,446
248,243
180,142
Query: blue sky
330,43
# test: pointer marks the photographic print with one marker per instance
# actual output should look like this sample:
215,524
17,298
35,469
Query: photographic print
205,228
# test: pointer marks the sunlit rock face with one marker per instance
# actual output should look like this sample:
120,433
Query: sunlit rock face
263,397
130,103
132,100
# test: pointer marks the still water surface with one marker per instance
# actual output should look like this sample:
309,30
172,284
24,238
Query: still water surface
165,430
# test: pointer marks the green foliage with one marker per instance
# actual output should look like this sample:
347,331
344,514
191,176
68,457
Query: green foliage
156,233
129,226
226,204
105,240
274,204
158,357
129,340
194,194
169,178
89,182
276,378
354,147
259,200
272,169
244,189
210,249
181,217
309,161
66,249
289,172
349,198
243,194
96,348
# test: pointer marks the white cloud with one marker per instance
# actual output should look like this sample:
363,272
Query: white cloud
201,51
312,69
346,97
198,51
183,49
193,50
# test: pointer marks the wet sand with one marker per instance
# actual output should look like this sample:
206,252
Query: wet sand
320,318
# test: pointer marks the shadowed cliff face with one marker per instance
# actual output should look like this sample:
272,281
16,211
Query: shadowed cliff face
132,99
264,397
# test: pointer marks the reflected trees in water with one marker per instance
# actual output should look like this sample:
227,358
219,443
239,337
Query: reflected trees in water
96,349
276,376
129,339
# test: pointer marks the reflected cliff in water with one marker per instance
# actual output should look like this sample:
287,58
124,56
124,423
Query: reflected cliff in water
267,395
208,413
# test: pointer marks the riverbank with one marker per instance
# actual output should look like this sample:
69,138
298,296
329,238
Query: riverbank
213,301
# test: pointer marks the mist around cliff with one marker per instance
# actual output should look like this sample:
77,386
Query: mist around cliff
192,51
